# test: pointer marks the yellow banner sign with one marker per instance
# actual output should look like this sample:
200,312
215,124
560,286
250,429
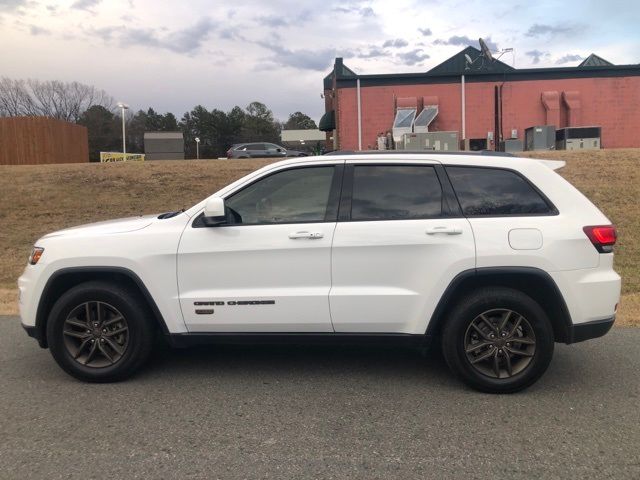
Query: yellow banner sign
121,157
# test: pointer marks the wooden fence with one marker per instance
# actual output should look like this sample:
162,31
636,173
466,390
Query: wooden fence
40,140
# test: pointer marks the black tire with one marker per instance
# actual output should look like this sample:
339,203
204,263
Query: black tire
496,372
133,336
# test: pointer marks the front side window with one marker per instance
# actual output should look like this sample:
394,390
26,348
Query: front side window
493,191
395,193
292,196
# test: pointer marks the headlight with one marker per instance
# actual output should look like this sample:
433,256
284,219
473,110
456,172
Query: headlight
36,253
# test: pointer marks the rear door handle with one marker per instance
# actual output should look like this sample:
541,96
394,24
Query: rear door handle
445,230
309,235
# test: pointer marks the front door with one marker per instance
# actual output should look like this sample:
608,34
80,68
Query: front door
268,269
399,243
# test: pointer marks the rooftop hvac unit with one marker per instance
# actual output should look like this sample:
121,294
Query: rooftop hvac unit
542,137
424,118
578,138
438,141
403,123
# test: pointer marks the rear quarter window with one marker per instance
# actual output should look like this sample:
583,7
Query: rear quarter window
484,191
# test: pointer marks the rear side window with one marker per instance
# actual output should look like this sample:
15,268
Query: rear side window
493,191
395,193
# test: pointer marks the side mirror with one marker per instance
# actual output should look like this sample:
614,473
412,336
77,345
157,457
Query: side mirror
278,149
214,212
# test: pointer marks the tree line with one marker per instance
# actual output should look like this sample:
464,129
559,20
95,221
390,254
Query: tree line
96,110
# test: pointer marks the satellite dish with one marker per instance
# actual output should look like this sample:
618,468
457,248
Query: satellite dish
485,50
468,58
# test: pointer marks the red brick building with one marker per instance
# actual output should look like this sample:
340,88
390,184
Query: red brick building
497,98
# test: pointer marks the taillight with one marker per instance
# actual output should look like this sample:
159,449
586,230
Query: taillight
603,237
229,153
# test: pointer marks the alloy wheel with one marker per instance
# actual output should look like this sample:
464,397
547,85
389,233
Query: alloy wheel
499,343
96,334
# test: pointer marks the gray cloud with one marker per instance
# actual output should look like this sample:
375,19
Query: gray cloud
273,21
538,30
85,4
279,20
10,5
397,43
317,60
464,41
413,57
187,40
425,31
35,30
373,52
536,55
568,59
362,11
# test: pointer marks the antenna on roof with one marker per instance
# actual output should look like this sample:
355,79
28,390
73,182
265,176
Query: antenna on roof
486,53
468,61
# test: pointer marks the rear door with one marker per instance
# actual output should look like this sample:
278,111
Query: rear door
256,150
399,242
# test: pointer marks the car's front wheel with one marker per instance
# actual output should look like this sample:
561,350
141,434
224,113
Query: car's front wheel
99,332
498,340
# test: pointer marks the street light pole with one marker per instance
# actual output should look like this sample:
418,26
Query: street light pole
197,148
123,107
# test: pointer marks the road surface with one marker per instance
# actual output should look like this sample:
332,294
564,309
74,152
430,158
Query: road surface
320,412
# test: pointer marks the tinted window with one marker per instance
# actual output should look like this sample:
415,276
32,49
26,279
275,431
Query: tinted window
299,195
255,146
491,191
395,193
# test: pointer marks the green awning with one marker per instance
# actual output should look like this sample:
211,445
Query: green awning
328,122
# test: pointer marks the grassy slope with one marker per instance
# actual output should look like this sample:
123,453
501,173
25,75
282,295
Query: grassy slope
38,199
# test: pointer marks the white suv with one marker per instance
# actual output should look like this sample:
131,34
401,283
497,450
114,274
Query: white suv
495,257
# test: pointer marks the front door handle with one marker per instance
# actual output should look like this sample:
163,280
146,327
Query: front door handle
309,235
445,230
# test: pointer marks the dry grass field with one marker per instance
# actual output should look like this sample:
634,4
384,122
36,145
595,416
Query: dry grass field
38,199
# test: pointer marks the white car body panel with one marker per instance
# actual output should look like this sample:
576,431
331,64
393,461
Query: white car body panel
256,263
361,277
388,276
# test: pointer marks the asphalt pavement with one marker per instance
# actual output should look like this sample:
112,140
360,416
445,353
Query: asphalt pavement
318,412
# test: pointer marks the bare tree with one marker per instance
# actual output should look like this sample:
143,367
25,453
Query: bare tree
63,100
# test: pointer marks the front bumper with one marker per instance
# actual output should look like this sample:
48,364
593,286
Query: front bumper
594,329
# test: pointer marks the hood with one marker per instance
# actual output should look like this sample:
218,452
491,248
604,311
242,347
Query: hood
120,225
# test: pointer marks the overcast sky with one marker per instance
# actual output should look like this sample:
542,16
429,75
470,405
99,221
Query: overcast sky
173,55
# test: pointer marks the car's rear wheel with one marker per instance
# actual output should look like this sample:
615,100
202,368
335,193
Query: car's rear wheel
99,332
498,340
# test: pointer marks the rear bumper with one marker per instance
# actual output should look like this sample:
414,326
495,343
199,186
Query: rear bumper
594,329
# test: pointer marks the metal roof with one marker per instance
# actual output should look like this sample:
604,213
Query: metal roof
458,64
594,60
481,70
162,135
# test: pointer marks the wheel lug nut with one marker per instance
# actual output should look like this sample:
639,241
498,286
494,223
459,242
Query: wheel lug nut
88,331
102,340
508,344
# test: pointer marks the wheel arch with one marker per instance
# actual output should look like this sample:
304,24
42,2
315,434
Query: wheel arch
534,282
67,278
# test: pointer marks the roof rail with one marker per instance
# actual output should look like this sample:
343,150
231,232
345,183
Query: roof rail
489,153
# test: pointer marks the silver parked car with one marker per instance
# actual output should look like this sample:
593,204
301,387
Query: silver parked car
261,150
